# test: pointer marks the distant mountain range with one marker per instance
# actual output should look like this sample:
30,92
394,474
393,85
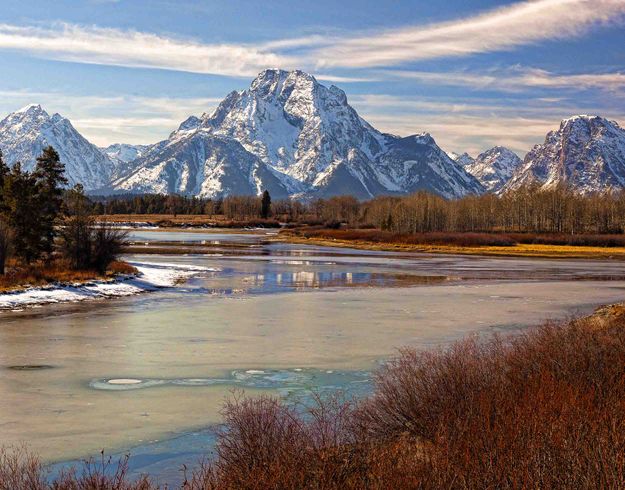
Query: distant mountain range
298,138
492,168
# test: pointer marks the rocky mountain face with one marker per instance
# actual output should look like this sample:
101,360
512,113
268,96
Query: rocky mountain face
586,153
123,155
494,167
462,160
25,133
289,133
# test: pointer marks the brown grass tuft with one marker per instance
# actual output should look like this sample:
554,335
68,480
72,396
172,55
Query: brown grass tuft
18,275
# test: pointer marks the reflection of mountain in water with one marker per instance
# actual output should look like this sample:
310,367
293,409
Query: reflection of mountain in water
268,282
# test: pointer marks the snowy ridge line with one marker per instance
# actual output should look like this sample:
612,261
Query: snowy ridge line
151,276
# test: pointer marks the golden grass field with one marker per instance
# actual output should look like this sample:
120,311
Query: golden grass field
519,250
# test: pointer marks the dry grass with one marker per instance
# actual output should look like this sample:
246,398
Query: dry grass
435,238
19,276
473,244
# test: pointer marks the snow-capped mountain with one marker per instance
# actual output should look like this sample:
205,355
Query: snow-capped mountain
290,133
494,167
462,160
586,153
123,155
25,133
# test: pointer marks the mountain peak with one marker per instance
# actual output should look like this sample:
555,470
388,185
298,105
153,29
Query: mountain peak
268,80
25,133
31,109
586,153
461,159
299,137
587,122
494,167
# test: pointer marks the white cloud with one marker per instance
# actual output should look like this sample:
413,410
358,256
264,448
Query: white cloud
515,25
96,45
516,79
519,24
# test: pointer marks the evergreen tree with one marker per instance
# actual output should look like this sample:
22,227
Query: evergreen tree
50,180
6,243
265,205
23,211
4,172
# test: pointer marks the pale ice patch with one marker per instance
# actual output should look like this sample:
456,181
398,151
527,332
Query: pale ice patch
124,381
151,276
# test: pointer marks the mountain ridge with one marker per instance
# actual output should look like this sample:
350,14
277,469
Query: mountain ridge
26,132
306,136
586,153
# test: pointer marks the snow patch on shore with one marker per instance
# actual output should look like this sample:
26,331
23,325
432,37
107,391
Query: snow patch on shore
152,276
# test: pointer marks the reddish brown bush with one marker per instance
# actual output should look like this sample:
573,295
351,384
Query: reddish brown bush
543,410
21,470
434,238
572,240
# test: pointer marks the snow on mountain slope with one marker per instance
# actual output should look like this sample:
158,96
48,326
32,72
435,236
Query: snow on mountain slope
462,160
586,153
25,133
494,167
201,165
305,138
417,163
123,153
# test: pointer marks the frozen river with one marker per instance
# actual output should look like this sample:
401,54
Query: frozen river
149,373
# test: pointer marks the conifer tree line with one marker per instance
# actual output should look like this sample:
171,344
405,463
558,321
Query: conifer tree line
41,221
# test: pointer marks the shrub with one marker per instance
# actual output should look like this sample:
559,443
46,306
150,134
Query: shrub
434,238
107,245
21,470
543,410
89,246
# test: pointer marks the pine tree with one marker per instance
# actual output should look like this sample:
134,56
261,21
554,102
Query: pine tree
50,181
4,172
23,212
265,205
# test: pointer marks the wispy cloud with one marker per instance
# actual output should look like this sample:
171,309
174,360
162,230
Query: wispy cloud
515,79
96,45
519,24
522,23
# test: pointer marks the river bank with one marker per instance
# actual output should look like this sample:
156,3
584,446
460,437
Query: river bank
516,250
148,277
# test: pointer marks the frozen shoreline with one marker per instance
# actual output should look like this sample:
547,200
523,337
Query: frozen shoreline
152,276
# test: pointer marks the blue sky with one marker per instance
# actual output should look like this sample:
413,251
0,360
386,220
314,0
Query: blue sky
472,73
